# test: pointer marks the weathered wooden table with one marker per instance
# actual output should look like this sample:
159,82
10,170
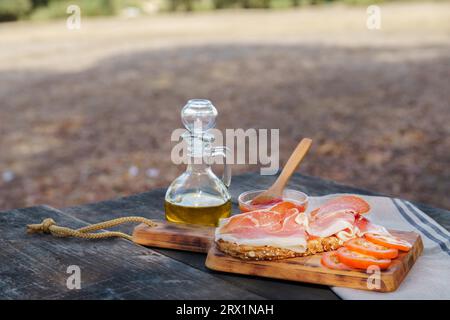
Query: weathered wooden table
35,266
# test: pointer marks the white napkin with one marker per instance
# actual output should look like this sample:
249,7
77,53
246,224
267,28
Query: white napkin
429,278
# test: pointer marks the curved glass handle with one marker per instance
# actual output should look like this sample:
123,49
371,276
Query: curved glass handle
224,152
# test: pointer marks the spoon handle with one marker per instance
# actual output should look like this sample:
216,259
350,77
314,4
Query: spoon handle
291,165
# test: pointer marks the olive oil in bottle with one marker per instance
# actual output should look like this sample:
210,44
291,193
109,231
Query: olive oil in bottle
197,209
198,196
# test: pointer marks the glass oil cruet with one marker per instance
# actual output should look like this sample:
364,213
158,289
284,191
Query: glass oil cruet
198,196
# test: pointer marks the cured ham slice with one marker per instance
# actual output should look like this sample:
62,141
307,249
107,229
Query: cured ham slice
331,224
337,217
285,229
365,226
284,226
348,203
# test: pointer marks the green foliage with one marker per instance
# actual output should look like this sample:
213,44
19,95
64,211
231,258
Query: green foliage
361,2
247,4
187,5
49,9
39,3
11,10
220,4
57,8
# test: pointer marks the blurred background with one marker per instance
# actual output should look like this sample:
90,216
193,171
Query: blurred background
86,115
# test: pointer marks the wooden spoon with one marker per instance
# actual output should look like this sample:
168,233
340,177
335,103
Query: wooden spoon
276,190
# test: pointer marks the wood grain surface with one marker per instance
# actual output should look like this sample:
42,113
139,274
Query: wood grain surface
34,266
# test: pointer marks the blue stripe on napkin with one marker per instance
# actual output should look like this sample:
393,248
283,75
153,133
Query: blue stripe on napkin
445,234
405,215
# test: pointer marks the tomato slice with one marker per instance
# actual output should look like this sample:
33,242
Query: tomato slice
363,246
389,241
360,261
330,260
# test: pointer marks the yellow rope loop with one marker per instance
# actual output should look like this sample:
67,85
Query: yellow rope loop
48,225
115,222
41,227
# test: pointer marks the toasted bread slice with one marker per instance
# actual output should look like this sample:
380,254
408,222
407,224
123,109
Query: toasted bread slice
247,252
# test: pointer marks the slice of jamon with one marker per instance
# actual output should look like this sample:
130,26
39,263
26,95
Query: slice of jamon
331,224
282,220
294,222
248,220
260,223
337,215
283,207
271,219
348,203
266,229
365,226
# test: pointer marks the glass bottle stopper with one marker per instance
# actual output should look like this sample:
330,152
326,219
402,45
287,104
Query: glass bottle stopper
198,116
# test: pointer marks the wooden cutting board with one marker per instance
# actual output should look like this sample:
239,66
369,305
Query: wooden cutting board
305,269
168,235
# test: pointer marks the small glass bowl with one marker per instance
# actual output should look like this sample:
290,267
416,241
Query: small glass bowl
299,198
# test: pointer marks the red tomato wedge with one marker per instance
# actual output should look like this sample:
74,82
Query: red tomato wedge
360,261
389,241
331,260
363,246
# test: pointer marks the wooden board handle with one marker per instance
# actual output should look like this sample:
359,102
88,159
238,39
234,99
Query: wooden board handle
175,236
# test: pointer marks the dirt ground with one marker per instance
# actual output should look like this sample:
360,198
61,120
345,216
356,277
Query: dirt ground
87,115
